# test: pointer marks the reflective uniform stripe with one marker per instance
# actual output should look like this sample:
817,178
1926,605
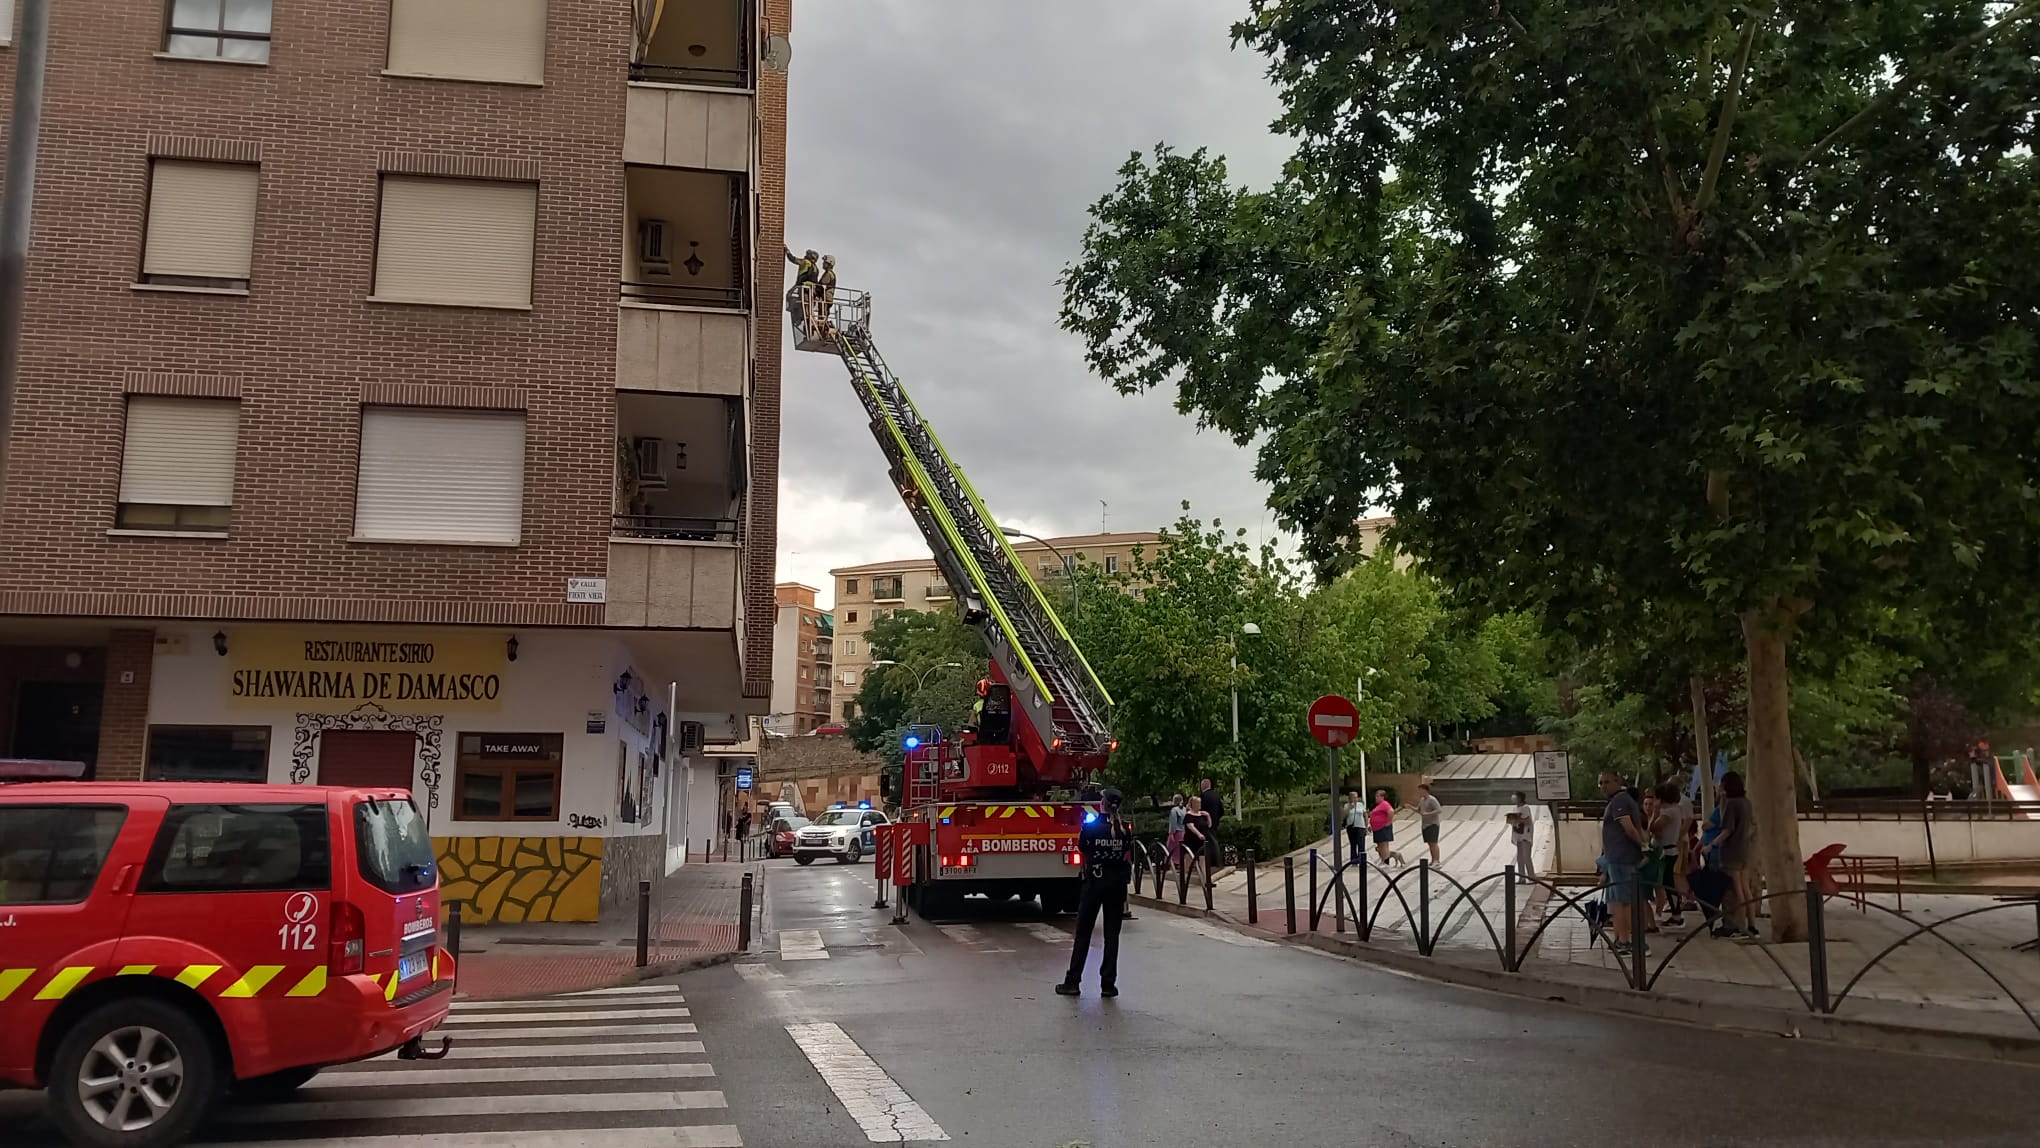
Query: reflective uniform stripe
135,970
60,986
11,979
251,982
312,985
196,975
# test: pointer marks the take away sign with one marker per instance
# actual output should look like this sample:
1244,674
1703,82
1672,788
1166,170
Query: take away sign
1334,720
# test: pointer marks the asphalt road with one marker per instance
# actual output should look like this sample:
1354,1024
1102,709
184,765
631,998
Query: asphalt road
1222,1040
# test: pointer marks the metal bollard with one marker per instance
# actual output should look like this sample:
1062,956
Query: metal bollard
726,850
644,923
1363,925
1289,890
1636,929
1816,949
1424,907
1253,898
1207,887
1509,961
1314,911
744,917
453,929
1183,881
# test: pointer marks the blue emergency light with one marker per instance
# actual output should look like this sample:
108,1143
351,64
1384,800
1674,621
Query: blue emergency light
1090,815
864,805
913,742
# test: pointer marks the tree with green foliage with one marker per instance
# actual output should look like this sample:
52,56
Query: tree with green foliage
920,688
1702,307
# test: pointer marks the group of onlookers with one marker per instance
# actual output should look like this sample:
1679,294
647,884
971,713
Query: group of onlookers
1193,830
1659,860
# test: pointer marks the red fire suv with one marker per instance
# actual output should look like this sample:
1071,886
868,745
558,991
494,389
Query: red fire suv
160,943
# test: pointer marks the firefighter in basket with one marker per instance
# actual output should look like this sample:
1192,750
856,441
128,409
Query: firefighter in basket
1106,842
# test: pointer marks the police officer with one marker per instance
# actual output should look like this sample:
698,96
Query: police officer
1106,842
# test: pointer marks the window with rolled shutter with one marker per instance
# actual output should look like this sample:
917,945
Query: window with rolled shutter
445,476
491,41
177,463
201,230
456,242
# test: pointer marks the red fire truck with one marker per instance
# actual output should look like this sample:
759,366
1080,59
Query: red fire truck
1003,799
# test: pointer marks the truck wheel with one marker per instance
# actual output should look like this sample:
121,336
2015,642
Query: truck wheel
275,1086
135,1073
803,859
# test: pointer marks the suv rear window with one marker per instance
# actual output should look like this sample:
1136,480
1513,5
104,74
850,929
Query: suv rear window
240,849
396,852
52,854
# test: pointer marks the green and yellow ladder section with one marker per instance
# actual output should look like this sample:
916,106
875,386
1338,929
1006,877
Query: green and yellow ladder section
1054,688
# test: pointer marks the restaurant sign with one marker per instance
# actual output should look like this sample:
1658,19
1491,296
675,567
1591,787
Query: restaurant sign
325,672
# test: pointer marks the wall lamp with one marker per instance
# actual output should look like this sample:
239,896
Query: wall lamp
622,683
510,647
643,703
219,643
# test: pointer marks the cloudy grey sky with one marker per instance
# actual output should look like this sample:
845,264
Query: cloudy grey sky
946,151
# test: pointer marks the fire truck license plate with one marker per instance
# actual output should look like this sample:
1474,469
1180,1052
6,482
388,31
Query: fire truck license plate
415,966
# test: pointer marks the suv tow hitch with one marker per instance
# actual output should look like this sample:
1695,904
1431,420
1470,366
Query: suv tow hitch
414,1049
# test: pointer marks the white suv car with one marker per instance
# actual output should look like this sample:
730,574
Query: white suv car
842,832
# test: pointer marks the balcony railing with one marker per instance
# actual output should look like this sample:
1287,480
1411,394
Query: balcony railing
686,295
668,528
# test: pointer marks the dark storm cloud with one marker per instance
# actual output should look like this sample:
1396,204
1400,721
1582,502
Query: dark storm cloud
946,151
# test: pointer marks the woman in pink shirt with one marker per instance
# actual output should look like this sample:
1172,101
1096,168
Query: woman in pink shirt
1381,819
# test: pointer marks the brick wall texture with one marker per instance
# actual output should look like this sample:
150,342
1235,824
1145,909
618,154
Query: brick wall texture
304,347
762,533
124,707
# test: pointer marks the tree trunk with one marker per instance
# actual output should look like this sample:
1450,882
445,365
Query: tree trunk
1703,770
1766,633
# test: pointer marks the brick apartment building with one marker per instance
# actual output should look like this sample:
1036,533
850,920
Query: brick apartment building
399,403
803,661
866,593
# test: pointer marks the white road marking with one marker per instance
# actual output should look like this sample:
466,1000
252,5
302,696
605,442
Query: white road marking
535,1051
801,945
1217,933
627,991
435,1076
550,1017
692,1136
579,1030
470,1106
881,1107
623,1005
1042,931
759,973
969,935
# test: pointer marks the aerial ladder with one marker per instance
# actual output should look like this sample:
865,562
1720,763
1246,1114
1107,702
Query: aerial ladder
1045,722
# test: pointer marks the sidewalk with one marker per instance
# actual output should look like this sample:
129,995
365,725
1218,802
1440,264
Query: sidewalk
1919,980
695,914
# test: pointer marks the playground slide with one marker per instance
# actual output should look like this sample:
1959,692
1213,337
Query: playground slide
2029,791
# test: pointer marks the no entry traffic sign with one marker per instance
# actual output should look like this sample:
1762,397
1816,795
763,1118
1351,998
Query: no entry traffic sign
1333,720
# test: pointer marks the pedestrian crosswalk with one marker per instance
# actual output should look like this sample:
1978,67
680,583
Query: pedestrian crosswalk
613,1068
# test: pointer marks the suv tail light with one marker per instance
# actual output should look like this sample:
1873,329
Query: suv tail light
348,953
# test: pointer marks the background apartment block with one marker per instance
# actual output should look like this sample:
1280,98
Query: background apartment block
397,405
803,661
869,592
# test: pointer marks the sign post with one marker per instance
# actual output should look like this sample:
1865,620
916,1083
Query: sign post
1553,768
1334,721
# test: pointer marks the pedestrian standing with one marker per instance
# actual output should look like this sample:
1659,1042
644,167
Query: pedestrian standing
1667,829
1105,841
1429,811
1622,841
1521,829
744,823
1196,837
1175,841
1738,830
1214,808
1381,819
1356,827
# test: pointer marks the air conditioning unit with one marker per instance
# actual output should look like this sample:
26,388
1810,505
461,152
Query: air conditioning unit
693,735
651,466
655,254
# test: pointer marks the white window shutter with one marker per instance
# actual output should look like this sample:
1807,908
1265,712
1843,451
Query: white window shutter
489,40
446,476
179,452
201,219
456,241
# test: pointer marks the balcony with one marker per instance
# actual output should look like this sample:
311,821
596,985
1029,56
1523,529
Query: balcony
887,590
940,592
676,528
687,239
710,43
672,585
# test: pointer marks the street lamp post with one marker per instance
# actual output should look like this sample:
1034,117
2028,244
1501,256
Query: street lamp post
914,714
1360,688
1069,568
1250,629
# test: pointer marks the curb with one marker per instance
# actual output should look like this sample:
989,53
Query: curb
1879,1036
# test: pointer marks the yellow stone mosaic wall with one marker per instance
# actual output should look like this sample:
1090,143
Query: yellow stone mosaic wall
517,879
